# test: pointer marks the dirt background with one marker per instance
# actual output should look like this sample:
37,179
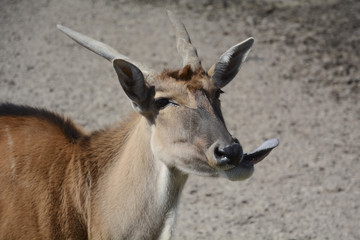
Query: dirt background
300,84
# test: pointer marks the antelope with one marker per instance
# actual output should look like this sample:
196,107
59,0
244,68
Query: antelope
123,182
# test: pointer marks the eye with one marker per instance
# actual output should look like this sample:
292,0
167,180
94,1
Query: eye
218,93
163,102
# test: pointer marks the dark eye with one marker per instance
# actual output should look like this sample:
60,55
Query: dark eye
218,93
163,102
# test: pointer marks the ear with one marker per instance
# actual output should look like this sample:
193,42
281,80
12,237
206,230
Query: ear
132,81
229,63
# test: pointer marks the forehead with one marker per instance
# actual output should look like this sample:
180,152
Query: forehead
183,84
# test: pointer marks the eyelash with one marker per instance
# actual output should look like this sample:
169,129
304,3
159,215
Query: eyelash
161,103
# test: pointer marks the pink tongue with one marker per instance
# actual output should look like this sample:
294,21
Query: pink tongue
261,152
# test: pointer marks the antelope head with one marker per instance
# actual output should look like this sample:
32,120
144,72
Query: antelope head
183,109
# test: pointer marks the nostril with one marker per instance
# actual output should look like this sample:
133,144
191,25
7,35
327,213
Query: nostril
221,157
231,154
219,153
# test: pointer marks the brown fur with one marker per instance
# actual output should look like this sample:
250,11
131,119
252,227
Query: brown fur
37,185
103,185
72,132
49,171
192,79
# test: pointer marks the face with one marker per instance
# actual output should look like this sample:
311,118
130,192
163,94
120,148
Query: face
189,132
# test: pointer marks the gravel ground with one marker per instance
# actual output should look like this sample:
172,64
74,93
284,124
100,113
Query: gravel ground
300,84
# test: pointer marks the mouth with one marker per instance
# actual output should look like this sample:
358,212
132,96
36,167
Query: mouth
246,167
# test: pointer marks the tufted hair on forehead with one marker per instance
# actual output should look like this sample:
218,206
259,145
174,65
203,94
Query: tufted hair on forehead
192,79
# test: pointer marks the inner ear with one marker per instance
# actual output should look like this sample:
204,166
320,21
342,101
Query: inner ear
228,65
133,83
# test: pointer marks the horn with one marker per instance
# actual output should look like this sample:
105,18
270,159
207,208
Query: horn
99,48
185,48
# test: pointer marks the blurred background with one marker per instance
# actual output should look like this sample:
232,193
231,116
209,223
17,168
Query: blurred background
300,84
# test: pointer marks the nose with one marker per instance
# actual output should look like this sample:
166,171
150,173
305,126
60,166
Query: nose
228,154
